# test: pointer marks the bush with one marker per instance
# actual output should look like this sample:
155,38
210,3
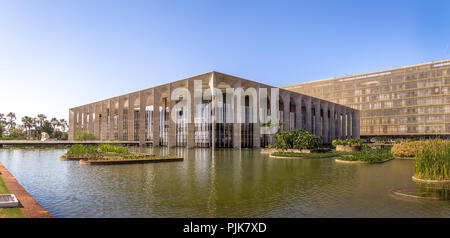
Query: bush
79,150
433,160
372,155
407,149
381,139
352,142
296,139
16,133
112,148
83,136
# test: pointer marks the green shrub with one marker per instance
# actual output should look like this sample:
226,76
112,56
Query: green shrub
351,142
381,139
296,139
372,155
83,136
79,150
407,149
433,160
112,148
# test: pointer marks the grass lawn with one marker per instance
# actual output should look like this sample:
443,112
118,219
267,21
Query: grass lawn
9,212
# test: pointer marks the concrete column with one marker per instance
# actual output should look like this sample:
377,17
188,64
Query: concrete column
338,122
286,110
111,119
91,119
212,85
356,124
171,135
343,124
236,122
131,99
96,121
104,120
120,119
298,112
71,124
326,132
349,124
85,112
256,127
142,104
155,124
308,104
191,113
317,125
332,123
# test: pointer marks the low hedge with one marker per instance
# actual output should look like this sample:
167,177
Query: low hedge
351,142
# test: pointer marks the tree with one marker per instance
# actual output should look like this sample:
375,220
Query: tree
63,124
2,124
16,133
11,120
28,124
55,123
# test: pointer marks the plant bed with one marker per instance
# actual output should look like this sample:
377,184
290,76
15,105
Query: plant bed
361,162
430,181
432,162
366,156
150,159
66,157
404,157
315,155
412,193
109,154
348,148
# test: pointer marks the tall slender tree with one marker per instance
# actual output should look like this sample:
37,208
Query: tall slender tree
63,124
27,124
2,124
11,120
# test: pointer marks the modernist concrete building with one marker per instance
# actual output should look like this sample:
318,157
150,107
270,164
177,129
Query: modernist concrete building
411,101
133,118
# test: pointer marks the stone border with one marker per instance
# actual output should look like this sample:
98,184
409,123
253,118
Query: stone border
29,206
415,179
361,162
404,158
398,192
129,161
64,158
294,157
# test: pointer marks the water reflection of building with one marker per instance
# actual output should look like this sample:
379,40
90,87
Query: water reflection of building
132,117
402,102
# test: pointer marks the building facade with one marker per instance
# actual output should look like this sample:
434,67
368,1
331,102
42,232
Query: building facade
227,112
411,101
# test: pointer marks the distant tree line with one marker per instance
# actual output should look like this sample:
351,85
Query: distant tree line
31,128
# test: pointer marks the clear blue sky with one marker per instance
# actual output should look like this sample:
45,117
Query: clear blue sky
59,54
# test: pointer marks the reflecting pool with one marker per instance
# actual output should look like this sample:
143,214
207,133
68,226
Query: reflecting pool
223,183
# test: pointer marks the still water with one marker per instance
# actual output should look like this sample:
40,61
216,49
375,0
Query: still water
225,183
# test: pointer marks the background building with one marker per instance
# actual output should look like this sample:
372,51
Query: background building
132,117
409,101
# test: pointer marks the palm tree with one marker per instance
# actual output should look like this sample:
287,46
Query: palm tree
63,124
2,123
40,119
11,120
27,123
55,123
